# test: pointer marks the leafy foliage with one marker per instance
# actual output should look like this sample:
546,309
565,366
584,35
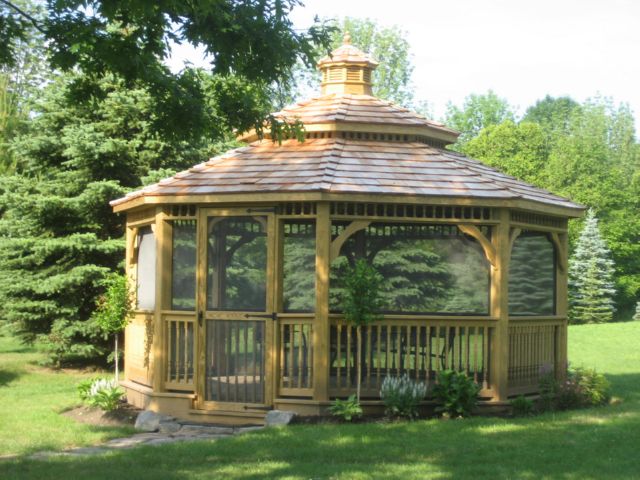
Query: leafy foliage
252,40
115,308
346,409
401,396
101,393
456,393
591,288
522,406
589,153
477,112
361,301
583,387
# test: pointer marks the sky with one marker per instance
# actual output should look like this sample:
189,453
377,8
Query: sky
522,50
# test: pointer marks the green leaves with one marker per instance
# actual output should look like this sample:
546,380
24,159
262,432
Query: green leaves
114,309
250,39
362,301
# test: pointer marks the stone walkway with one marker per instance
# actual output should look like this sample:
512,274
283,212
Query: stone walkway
182,433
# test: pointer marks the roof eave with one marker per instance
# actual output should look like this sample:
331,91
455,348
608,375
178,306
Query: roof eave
125,204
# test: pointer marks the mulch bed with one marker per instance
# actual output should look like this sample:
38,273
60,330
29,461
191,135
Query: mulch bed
124,415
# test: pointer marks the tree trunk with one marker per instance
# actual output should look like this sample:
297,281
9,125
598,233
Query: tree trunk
116,353
359,360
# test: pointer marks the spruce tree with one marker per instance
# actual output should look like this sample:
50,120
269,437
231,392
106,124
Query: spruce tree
591,287
59,238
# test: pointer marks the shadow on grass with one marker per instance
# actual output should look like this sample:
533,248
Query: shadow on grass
594,443
8,376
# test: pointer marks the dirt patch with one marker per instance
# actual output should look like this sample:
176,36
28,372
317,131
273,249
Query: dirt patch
124,415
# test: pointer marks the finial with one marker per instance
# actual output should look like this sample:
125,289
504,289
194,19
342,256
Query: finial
346,40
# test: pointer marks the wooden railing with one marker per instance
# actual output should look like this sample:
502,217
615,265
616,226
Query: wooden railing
418,348
296,357
533,351
180,344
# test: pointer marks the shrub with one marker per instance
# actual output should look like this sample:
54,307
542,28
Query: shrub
456,393
583,387
522,406
595,387
100,392
401,396
346,409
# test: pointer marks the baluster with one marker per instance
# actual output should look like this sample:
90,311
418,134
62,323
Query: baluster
485,356
300,352
292,348
339,356
245,356
348,362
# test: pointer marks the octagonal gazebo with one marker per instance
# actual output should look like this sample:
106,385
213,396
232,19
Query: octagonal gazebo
237,265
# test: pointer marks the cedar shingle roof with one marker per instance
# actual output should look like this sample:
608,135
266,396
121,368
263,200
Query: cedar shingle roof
338,165
356,109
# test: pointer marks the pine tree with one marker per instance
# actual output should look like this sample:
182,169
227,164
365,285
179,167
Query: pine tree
591,270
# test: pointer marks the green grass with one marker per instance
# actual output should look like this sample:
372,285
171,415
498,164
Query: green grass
31,399
597,443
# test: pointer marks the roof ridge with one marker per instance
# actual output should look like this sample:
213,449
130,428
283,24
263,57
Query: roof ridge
331,164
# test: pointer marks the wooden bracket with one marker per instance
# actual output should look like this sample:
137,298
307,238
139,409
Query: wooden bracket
513,236
560,250
352,228
487,246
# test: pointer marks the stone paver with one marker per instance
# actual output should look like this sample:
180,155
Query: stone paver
176,433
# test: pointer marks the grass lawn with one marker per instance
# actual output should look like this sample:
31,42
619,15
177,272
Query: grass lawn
598,443
31,398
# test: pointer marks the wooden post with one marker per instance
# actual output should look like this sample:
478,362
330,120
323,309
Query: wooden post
163,247
321,324
500,307
130,273
562,279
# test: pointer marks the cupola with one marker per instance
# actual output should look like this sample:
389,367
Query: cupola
347,70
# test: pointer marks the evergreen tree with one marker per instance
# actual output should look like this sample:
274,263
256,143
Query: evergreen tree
591,287
58,236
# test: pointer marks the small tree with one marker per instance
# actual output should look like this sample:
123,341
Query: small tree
361,304
591,288
114,309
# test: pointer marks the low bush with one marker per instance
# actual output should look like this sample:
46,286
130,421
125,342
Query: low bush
401,396
346,409
583,387
100,392
456,393
522,406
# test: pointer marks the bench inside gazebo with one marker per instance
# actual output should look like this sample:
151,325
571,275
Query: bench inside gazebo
237,265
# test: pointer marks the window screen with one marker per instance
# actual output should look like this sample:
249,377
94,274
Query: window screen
426,268
237,263
299,266
532,275
146,269
183,265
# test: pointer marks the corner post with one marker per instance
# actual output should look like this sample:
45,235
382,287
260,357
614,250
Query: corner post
500,307
162,245
562,310
321,323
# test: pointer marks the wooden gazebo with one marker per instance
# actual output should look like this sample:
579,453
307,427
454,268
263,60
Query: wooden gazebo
237,265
